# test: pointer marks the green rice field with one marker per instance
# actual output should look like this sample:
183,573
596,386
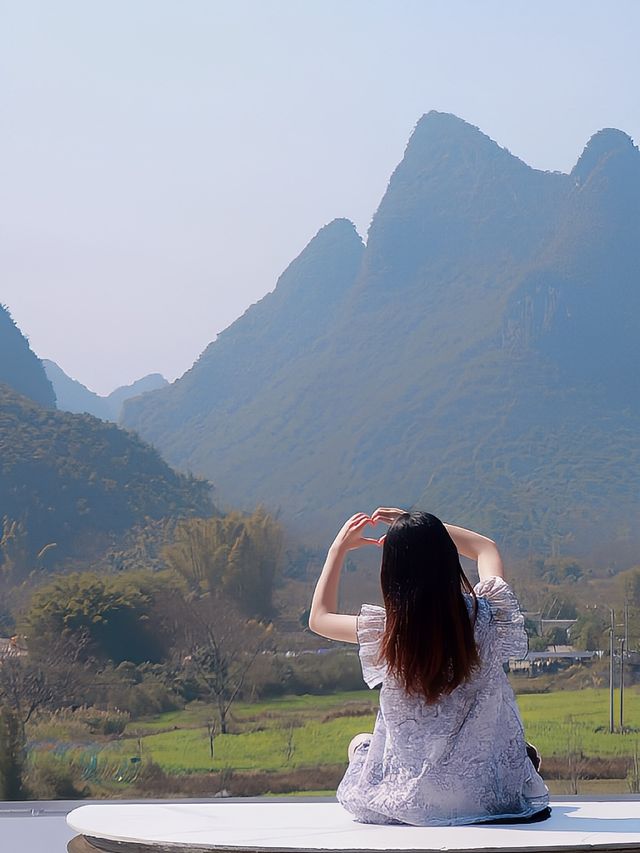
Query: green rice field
311,731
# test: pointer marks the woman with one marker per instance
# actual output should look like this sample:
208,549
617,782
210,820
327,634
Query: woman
448,746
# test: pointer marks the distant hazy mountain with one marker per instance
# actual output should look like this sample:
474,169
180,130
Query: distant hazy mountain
478,358
73,479
19,366
150,382
73,396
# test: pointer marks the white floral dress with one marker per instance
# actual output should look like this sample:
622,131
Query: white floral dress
461,760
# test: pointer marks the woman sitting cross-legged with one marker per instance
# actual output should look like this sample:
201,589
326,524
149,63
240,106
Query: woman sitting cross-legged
448,746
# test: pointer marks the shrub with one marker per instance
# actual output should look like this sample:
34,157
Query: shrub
104,722
138,690
11,756
50,777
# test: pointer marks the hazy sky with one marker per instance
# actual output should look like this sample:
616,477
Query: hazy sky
162,162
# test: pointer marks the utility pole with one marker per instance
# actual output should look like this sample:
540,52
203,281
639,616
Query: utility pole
623,646
626,624
621,684
611,638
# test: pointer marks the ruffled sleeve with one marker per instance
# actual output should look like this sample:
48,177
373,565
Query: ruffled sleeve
370,628
506,616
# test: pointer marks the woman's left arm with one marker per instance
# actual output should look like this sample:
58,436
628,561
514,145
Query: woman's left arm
323,618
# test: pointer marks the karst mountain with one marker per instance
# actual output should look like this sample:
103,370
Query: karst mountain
477,358
70,483
73,396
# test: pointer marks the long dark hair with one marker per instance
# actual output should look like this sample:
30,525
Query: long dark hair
428,642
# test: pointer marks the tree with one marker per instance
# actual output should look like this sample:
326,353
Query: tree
221,646
587,632
28,685
575,760
557,636
51,677
15,555
630,582
537,644
237,556
11,756
559,608
118,614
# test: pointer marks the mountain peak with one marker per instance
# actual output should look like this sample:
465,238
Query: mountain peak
437,135
334,245
337,229
445,122
605,145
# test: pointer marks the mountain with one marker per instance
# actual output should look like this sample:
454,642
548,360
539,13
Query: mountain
150,382
477,358
73,396
19,366
74,479
271,336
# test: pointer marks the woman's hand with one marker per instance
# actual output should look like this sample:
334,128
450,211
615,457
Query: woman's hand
387,514
351,533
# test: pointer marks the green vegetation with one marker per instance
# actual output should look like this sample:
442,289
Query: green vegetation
119,616
70,479
552,720
474,358
236,555
300,737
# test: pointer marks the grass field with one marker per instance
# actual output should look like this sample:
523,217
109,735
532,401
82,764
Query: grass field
312,731
287,735
579,720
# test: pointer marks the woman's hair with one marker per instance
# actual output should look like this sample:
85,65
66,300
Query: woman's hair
428,642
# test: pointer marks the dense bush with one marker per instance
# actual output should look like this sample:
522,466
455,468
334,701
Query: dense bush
277,675
138,691
111,722
124,616
52,778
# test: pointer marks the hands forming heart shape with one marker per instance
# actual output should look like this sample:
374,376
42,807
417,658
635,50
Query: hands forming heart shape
351,534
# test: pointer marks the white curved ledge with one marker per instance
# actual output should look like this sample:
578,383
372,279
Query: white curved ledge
312,827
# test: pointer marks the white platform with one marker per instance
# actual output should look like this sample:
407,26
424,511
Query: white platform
573,826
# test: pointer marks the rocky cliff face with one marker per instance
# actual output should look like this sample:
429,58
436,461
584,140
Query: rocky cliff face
477,358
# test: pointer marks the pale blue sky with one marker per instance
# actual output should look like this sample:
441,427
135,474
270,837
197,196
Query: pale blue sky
162,162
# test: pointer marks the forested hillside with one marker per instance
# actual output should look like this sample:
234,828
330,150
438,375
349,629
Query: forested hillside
72,479
477,358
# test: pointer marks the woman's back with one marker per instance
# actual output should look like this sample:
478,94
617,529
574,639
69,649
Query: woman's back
461,759
448,746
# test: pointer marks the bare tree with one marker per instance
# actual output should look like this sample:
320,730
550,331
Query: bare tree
574,757
221,647
290,745
52,679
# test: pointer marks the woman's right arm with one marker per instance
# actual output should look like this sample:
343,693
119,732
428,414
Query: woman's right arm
479,548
